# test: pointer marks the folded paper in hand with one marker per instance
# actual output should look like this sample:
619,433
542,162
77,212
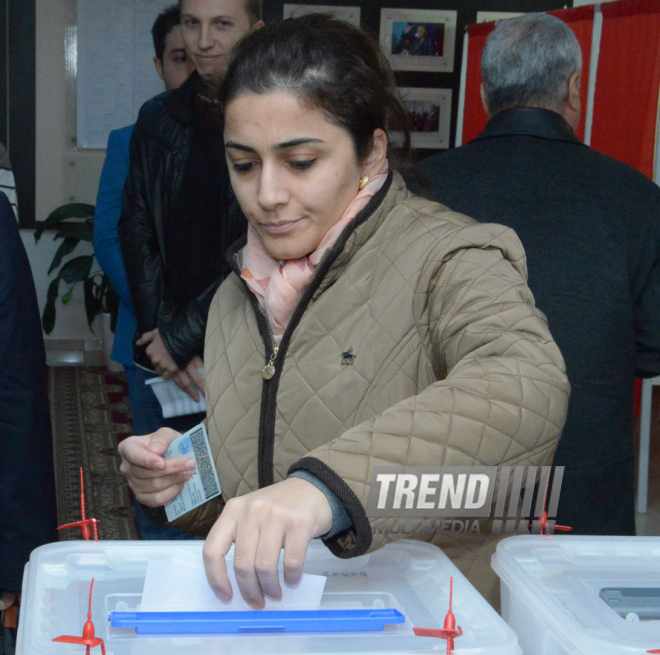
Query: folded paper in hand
173,400
203,485
180,584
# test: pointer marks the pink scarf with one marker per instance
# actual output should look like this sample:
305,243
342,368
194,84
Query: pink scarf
278,285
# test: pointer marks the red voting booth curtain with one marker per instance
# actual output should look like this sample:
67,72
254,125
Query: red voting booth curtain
626,103
474,117
579,19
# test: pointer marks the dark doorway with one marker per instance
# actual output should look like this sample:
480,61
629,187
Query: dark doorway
18,98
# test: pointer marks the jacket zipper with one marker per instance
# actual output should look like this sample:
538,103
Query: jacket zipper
275,356
268,371
271,375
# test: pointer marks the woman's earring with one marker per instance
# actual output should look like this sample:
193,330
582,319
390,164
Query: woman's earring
364,180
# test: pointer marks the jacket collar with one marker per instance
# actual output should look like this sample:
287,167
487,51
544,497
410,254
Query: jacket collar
180,102
529,121
365,225
354,236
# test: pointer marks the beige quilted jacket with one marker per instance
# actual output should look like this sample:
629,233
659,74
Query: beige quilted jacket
449,363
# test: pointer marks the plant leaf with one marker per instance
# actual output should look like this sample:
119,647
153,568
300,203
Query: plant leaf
111,303
67,296
65,248
113,320
79,231
48,317
71,210
77,269
54,289
92,302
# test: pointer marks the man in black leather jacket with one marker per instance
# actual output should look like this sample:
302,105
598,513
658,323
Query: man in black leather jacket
178,211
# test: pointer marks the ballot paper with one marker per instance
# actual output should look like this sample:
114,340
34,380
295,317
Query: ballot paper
180,584
173,400
203,485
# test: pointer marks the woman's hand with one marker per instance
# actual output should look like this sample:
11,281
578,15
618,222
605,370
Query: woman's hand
154,480
286,515
158,354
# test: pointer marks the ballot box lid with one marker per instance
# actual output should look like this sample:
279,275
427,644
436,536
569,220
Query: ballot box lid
575,595
411,577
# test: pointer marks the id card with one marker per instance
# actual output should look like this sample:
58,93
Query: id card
203,485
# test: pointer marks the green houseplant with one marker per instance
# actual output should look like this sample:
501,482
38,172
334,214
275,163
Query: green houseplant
74,223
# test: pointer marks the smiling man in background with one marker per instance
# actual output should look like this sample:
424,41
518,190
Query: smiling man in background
176,222
178,213
211,28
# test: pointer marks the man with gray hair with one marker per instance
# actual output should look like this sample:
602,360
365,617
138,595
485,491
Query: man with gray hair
591,230
534,61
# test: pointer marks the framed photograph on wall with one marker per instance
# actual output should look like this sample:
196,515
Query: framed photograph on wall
348,14
490,16
429,111
419,39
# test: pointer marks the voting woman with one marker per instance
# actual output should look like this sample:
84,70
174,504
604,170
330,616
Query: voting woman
362,326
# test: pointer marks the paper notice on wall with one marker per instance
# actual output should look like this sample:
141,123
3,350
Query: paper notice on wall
115,70
180,584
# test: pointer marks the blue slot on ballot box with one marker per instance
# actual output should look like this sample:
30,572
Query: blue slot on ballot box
251,622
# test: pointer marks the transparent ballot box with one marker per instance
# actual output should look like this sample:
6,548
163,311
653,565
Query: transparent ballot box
407,578
575,595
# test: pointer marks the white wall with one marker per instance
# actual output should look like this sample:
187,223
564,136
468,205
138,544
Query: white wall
63,174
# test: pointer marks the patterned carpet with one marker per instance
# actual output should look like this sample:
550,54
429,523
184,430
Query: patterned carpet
91,415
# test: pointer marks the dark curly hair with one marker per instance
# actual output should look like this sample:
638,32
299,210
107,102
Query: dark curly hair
329,65
167,20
